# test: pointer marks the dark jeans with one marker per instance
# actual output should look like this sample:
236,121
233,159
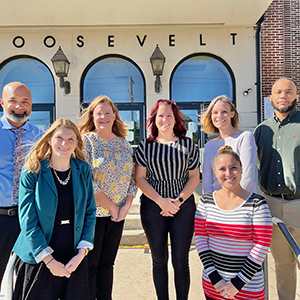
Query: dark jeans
102,258
9,232
181,228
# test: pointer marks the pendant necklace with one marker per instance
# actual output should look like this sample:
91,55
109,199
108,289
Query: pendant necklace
65,182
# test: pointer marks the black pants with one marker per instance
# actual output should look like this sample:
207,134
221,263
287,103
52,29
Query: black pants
181,228
102,258
9,232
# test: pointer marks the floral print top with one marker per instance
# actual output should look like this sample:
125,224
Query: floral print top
111,165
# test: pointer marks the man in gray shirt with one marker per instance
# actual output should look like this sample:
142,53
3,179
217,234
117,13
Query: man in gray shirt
278,153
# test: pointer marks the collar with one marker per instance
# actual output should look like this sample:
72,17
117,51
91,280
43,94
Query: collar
7,125
45,163
287,118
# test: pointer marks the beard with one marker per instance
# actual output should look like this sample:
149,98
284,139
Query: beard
18,118
285,109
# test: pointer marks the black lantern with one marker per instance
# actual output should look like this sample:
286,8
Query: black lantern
157,61
61,67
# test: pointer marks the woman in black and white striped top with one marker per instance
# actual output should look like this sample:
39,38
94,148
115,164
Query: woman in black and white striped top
167,172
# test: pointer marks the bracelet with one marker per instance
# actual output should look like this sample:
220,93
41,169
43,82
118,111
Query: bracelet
49,261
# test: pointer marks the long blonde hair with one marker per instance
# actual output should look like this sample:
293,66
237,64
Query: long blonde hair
206,121
42,149
86,123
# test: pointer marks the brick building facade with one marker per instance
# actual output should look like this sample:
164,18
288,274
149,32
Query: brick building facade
280,44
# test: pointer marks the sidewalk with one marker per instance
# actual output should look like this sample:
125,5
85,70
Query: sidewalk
133,279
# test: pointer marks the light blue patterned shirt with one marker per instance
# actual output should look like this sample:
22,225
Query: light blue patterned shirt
7,137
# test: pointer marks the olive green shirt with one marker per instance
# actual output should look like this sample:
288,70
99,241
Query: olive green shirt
278,154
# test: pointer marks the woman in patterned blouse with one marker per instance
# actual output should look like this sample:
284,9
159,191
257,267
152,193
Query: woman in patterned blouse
110,158
167,172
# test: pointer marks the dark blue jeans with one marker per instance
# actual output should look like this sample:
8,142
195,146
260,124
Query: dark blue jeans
181,228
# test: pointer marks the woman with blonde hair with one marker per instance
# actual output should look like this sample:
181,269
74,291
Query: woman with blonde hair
110,158
57,218
221,117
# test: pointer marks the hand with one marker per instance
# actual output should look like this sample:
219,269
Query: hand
58,269
229,290
219,285
114,211
122,213
168,208
176,202
72,265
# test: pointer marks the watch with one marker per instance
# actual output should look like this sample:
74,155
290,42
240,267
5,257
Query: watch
180,200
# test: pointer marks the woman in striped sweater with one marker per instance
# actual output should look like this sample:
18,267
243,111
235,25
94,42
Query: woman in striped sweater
167,172
233,230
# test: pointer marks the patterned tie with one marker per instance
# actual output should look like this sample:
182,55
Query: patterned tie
18,161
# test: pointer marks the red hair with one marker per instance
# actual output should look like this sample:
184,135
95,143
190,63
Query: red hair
179,128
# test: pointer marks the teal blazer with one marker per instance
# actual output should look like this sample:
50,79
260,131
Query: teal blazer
38,204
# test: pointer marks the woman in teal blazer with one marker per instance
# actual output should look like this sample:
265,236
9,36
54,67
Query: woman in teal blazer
57,218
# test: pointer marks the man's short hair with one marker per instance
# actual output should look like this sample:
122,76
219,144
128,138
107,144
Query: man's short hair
290,79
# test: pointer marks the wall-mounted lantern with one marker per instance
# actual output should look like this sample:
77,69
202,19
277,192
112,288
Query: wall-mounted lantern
61,66
157,61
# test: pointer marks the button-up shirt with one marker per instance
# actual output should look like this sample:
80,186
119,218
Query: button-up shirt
278,154
7,138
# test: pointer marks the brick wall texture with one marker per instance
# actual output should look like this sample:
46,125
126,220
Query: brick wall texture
280,43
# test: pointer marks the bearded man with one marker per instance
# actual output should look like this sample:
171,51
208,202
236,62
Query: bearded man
16,138
278,153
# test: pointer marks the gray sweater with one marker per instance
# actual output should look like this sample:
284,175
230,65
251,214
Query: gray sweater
243,144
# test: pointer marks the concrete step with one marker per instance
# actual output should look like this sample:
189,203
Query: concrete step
134,209
137,237
133,222
133,238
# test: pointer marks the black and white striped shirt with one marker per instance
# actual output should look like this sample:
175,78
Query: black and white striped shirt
168,165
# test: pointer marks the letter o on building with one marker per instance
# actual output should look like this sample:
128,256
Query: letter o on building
16,39
46,42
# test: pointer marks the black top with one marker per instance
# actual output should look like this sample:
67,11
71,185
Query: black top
168,165
62,240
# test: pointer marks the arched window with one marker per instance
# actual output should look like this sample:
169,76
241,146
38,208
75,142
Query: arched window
201,77
119,78
38,78
195,81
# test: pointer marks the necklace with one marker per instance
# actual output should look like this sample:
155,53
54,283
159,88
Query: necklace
65,182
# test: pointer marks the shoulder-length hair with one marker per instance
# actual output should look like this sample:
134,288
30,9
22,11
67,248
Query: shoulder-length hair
179,128
206,120
86,123
42,149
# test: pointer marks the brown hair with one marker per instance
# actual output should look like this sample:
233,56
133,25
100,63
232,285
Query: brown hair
227,150
206,121
42,149
179,127
86,123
